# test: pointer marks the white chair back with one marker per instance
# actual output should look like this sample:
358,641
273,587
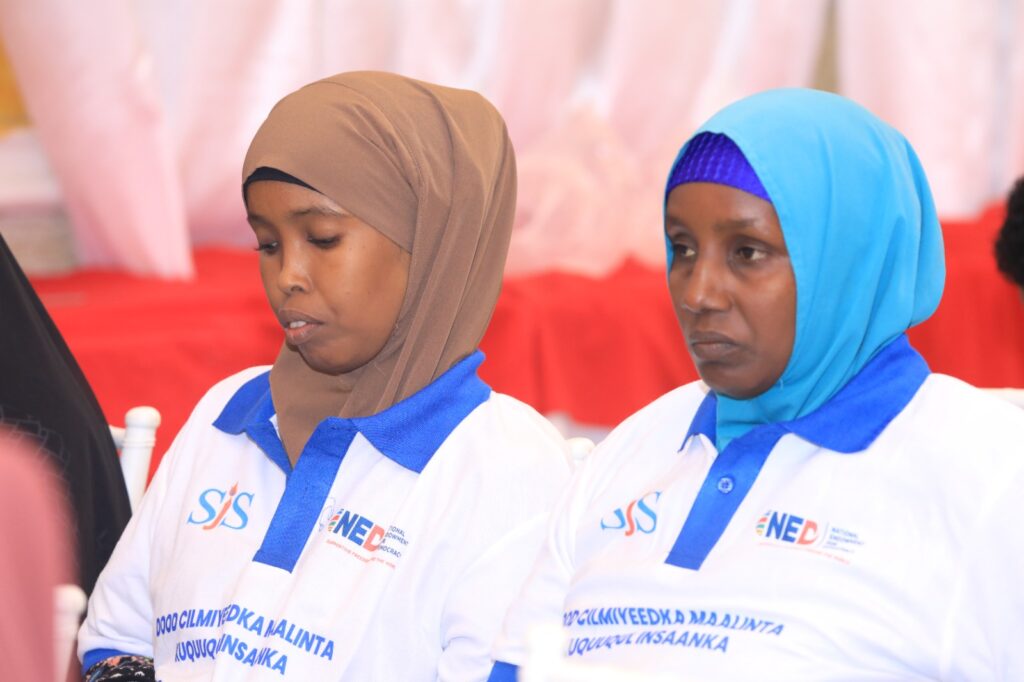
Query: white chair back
68,607
579,448
136,441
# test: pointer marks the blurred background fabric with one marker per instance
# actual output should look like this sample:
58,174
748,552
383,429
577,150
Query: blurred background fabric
122,143
144,108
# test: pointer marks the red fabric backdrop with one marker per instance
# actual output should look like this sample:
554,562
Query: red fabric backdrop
595,349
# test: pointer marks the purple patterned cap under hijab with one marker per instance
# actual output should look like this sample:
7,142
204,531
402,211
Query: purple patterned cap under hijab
713,157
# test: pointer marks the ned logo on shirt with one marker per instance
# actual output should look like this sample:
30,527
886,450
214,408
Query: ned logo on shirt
222,508
789,528
357,528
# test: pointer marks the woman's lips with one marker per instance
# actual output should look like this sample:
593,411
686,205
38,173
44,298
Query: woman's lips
298,326
297,333
712,347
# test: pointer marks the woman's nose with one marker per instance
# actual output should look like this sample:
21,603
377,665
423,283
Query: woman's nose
704,288
294,275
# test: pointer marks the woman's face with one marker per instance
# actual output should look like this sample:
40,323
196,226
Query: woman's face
335,283
733,286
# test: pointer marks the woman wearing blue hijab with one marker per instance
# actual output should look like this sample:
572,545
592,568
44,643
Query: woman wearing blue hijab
821,506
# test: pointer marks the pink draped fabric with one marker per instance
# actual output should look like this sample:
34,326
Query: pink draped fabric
950,75
146,107
87,80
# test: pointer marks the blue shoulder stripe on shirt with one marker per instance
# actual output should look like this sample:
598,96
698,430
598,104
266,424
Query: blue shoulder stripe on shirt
408,433
503,672
855,416
94,656
847,423
305,494
704,420
250,404
249,411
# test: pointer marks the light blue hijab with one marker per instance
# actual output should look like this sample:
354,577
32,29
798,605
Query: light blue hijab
863,239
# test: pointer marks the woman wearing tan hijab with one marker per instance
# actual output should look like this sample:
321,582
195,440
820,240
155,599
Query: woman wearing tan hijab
367,508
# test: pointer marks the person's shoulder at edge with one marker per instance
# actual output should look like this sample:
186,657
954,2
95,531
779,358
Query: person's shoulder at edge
199,425
217,396
962,444
670,413
658,428
516,441
956,413
667,417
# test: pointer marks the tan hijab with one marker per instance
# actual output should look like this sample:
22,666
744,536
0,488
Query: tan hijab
433,169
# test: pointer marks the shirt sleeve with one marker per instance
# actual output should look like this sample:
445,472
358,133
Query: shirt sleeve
478,597
119,620
541,599
474,610
982,630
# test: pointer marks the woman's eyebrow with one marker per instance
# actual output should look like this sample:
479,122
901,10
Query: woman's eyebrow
736,223
318,210
672,219
726,225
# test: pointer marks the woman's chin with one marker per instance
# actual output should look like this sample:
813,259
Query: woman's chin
732,388
331,366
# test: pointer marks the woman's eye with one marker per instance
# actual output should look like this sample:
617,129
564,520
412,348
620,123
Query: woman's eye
681,251
266,247
323,243
750,253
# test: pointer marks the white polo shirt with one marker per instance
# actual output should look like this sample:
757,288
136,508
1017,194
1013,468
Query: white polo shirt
390,552
878,538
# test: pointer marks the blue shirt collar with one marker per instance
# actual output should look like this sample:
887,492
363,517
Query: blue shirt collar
704,421
409,432
853,418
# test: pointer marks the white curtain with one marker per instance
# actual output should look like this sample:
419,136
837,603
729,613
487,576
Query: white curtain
88,83
950,75
146,107
592,177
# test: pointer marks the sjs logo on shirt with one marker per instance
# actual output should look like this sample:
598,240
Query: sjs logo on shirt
639,515
222,508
